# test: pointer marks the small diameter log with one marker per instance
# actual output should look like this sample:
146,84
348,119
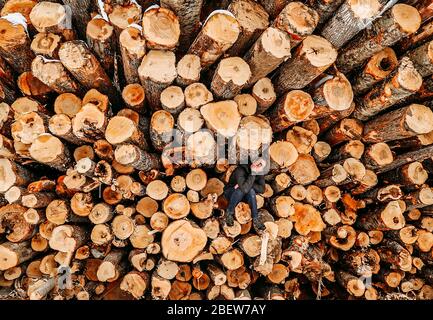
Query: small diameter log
351,149
83,65
377,155
398,22
37,200
401,83
132,48
334,95
173,99
60,125
264,93
252,19
136,283
52,17
298,20
407,174
176,206
402,123
49,150
422,58
294,107
181,241
15,44
89,123
188,13
13,175
392,252
101,39
131,155
304,170
161,29
123,130
80,14
350,18
247,105
231,75
313,56
156,72
352,284
345,130
134,96
222,117
54,75
270,50
161,129
218,34
46,44
188,70
273,7
385,218
111,269
197,95
31,86
7,94
377,68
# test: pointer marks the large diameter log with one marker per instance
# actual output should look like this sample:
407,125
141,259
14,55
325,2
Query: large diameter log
398,22
294,107
231,75
156,72
252,19
402,82
49,150
161,29
132,48
13,174
13,254
188,13
54,75
83,65
422,58
313,56
377,68
350,18
181,241
270,50
405,122
123,130
222,117
217,35
15,45
52,17
298,20
407,174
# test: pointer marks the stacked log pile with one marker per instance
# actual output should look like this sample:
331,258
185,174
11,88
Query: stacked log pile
122,121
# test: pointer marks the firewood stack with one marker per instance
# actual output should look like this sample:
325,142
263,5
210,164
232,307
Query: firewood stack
119,121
